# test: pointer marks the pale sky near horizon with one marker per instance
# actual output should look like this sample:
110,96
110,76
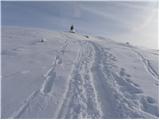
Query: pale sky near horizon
135,22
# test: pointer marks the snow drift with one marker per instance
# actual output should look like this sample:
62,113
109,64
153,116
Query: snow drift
73,76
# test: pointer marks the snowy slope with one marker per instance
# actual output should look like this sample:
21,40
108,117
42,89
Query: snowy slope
72,76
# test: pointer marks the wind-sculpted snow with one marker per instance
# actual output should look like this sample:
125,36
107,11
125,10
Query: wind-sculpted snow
73,76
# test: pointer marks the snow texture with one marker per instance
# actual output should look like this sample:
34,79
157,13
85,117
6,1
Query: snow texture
70,75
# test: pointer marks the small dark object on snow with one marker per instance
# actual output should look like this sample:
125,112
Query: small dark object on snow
86,36
42,40
72,29
127,43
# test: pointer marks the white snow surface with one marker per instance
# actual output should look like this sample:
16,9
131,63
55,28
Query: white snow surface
70,75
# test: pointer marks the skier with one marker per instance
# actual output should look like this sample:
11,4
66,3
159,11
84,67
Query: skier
72,29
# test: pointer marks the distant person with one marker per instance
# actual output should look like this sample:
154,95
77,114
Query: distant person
72,29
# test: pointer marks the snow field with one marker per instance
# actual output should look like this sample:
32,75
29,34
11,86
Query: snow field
73,76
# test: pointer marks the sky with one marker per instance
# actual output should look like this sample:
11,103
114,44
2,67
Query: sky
122,21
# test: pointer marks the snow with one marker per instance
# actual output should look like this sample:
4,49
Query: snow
70,75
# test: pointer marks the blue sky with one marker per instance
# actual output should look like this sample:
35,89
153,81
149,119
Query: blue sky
136,22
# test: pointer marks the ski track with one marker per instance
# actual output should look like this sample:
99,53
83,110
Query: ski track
47,84
24,106
147,65
94,90
81,99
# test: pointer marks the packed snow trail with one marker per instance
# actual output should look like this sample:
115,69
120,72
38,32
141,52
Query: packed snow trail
81,98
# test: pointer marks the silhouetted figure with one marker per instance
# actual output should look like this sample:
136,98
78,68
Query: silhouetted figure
72,29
